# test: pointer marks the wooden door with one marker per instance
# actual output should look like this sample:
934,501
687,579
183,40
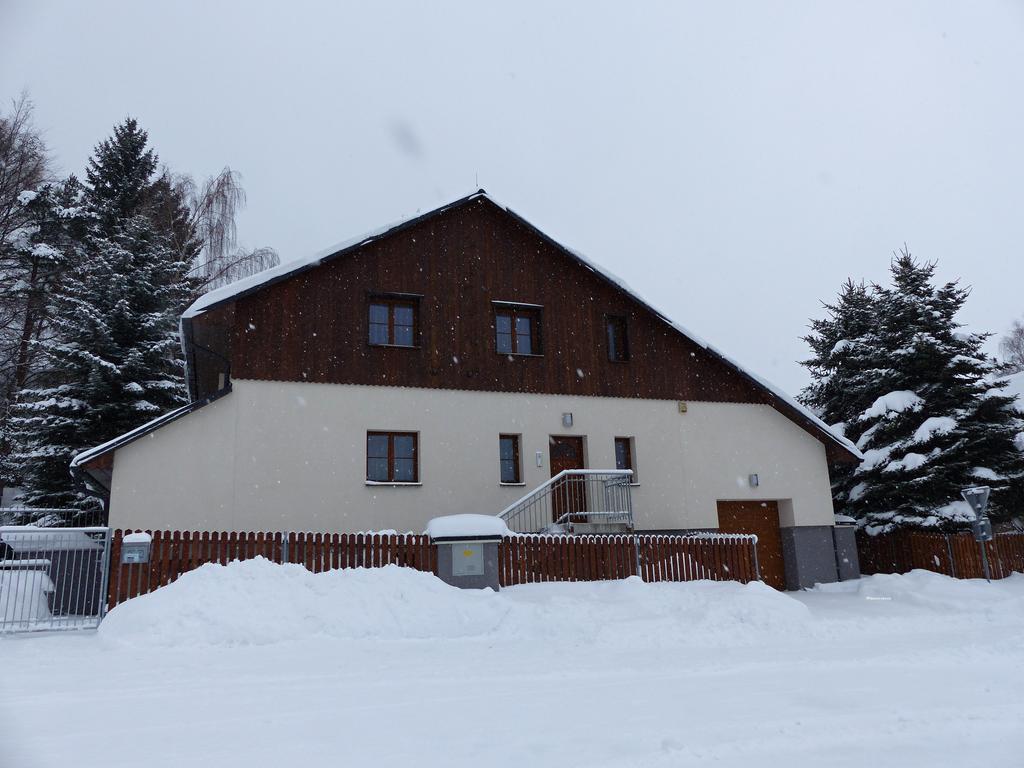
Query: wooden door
760,518
569,494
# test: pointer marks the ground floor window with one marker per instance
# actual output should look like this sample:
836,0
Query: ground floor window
392,457
508,458
624,455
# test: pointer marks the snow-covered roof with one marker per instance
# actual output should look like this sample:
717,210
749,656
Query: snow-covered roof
283,271
83,458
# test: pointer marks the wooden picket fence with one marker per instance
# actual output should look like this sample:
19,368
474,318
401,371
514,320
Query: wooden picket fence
522,559
175,552
954,554
532,559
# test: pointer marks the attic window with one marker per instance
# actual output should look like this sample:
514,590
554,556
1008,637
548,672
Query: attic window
618,342
393,322
517,329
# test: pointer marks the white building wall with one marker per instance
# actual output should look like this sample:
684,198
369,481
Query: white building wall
291,456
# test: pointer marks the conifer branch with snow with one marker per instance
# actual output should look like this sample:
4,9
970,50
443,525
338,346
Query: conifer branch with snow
893,369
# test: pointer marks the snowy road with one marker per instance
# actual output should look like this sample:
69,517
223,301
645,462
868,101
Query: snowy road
893,671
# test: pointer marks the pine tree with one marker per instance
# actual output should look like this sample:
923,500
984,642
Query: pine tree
918,397
844,367
113,356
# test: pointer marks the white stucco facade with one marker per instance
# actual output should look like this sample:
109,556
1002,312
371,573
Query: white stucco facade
292,456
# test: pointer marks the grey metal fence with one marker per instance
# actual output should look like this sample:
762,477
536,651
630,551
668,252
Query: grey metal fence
571,498
52,578
52,518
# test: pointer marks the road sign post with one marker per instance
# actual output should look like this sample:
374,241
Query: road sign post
977,497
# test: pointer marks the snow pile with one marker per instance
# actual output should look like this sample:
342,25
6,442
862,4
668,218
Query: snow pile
256,602
23,593
630,614
939,594
466,525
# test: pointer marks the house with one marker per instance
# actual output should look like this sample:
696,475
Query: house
450,364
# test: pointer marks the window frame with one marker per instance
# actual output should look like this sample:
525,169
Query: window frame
630,443
517,459
391,457
533,312
608,321
391,301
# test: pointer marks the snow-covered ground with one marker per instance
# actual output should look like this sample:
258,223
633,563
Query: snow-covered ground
258,665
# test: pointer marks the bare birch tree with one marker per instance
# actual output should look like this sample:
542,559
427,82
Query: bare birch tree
214,207
24,169
1012,348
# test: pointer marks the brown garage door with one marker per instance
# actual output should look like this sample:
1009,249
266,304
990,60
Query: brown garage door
761,518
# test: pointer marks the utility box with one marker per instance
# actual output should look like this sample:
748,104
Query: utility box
135,548
469,563
467,549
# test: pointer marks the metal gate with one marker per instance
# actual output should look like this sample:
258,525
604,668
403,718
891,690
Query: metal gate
53,578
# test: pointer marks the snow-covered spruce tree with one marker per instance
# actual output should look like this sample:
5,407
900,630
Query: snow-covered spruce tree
922,404
113,357
844,366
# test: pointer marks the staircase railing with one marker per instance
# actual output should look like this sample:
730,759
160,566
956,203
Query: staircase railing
571,497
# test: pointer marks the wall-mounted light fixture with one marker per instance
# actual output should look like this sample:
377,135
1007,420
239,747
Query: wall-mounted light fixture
540,458
754,481
566,419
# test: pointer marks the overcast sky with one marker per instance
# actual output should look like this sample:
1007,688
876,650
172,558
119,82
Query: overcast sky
734,162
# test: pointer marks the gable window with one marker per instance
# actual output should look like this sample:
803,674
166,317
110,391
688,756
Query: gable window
517,329
618,344
508,458
393,322
392,457
624,455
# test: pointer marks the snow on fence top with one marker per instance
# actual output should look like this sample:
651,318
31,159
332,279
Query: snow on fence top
29,538
281,271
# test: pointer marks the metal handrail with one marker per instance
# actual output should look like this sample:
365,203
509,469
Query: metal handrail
603,493
559,476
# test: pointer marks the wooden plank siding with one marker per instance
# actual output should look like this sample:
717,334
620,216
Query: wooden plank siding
313,327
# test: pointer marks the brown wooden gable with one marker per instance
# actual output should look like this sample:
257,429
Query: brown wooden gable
312,325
